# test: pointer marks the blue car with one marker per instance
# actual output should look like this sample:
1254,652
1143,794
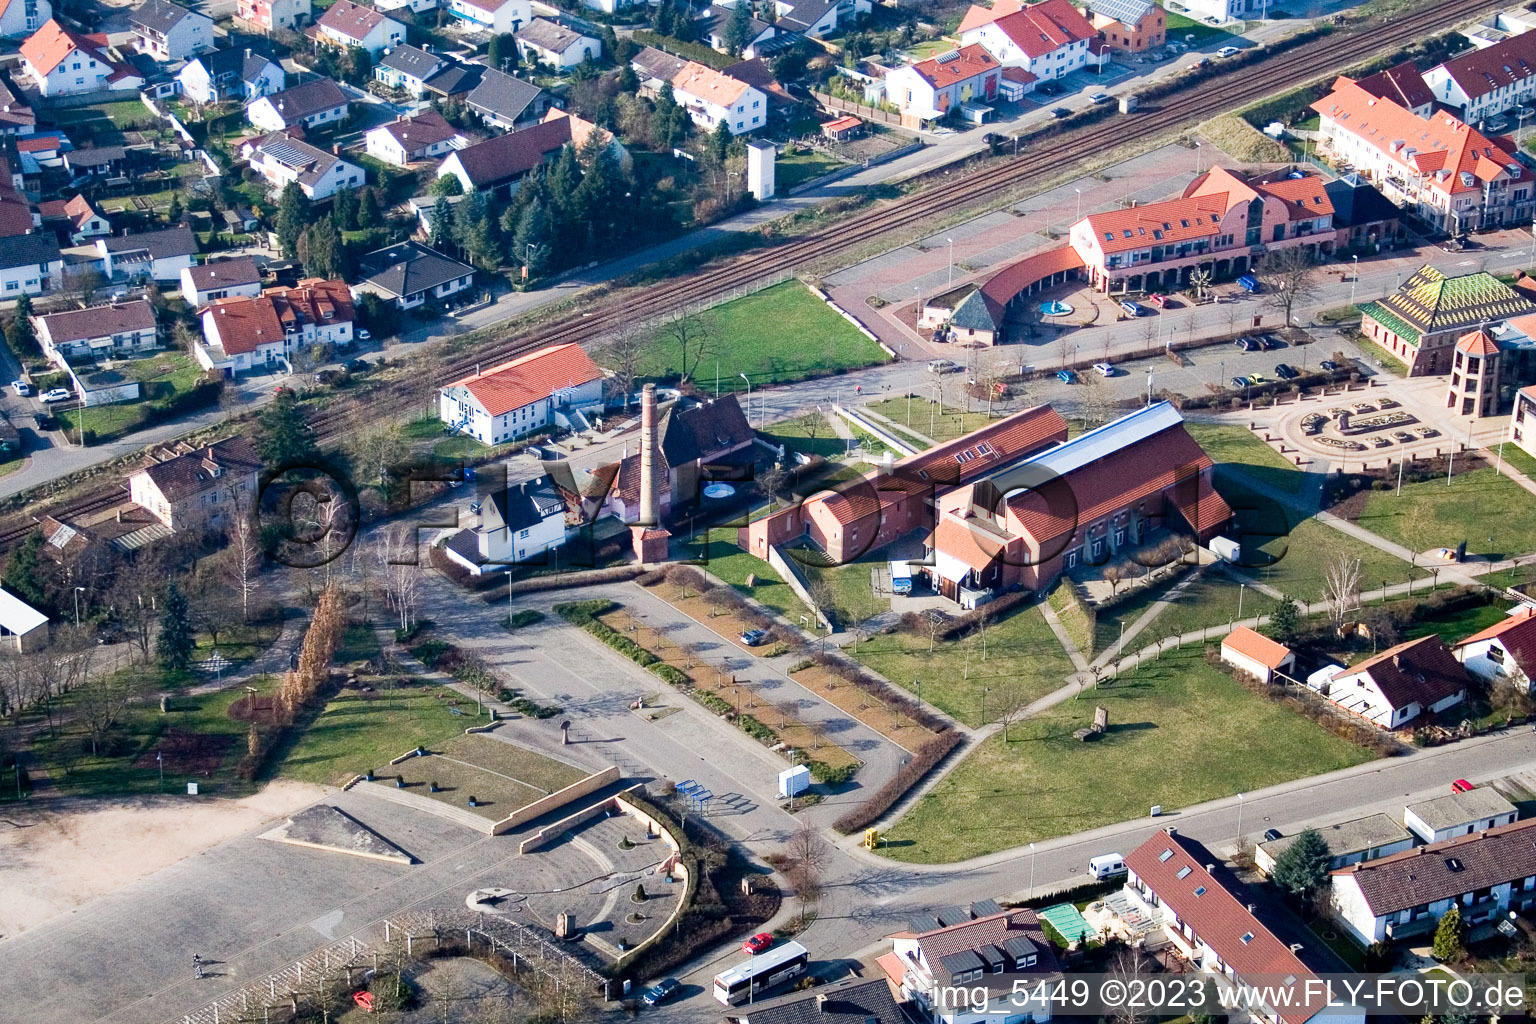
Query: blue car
1066,376
662,991
1249,283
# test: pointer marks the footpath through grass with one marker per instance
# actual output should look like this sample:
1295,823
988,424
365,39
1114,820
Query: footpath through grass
925,416
1493,514
783,333
1022,661
1180,733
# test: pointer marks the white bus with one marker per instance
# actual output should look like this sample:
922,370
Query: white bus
761,973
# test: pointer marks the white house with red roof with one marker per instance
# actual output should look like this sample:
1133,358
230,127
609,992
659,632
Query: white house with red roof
498,16
85,221
242,332
523,395
975,964
64,63
1217,225
20,18
1397,686
220,279
933,89
408,139
1489,81
1256,654
710,97
345,23
1049,39
1504,654
1438,167
1207,914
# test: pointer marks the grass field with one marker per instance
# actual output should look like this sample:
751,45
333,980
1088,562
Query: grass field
928,419
1521,462
795,436
1241,447
722,557
501,777
1180,733
1457,625
782,333
357,731
161,377
1303,557
804,165
1210,600
853,599
196,739
1493,514
1023,661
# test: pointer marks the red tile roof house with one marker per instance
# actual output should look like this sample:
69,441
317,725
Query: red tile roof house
1504,654
523,395
959,965
699,440
191,488
241,333
63,63
220,279
346,24
84,220
1449,174
1485,874
1049,40
1206,914
1399,685
1212,227
1256,654
1069,503
1489,81
929,91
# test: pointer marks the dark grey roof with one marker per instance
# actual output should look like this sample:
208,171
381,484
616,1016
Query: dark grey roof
310,98
502,95
851,1001
410,267
961,962
160,16
658,64
95,156
455,79
1126,12
1019,947
547,35
311,162
1356,201
973,313
722,21
177,241
413,61
953,915
923,923
496,161
693,430
28,250
984,908
527,504
806,13
245,63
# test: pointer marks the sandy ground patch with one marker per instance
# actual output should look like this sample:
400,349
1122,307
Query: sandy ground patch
58,855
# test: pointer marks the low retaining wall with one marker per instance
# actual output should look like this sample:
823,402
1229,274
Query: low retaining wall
551,831
886,437
586,787
790,573
427,805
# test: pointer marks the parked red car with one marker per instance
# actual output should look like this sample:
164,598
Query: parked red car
1460,786
757,943
364,999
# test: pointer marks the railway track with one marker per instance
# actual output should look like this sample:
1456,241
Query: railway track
1285,71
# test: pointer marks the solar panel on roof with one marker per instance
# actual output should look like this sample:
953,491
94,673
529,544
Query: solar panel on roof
287,153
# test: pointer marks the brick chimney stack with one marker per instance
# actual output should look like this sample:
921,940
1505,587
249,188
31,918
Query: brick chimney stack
649,537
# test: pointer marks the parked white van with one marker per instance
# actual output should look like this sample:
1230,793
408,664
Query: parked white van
1109,865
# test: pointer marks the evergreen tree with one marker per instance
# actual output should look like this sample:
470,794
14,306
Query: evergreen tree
440,224
670,123
738,31
285,437
629,81
1286,619
320,249
175,643
446,185
1302,867
24,571
368,213
344,210
359,66
530,239
292,216
1450,936
173,215
475,232
720,141
19,332
503,52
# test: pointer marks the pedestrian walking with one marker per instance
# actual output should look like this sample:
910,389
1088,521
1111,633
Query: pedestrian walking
197,965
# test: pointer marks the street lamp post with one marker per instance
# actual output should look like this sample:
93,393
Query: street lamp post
1032,854
78,592
1239,819
984,691
1241,587
1079,204
1354,279
749,398
951,242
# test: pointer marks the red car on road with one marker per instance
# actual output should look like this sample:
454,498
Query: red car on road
757,943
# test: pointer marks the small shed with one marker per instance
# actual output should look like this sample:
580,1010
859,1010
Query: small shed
1256,654
22,627
842,129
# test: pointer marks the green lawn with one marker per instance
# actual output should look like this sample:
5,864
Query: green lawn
929,48
196,735
795,436
1023,660
1180,733
1180,26
1303,557
804,165
1521,462
357,731
853,599
1493,514
1241,447
1209,601
161,377
926,417
782,333
721,556
1454,626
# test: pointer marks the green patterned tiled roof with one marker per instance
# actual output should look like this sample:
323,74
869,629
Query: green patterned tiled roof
1391,321
1431,303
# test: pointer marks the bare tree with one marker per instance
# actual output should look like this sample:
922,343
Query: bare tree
936,624
58,669
622,355
373,452
399,571
1012,704
101,700
693,338
1341,581
1114,574
1127,966
807,847
1290,279
242,561
1200,283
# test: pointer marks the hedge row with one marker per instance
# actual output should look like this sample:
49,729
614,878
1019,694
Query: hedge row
585,614
564,581
910,774
877,688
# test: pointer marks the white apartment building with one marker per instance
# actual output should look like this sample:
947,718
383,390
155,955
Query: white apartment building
711,97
